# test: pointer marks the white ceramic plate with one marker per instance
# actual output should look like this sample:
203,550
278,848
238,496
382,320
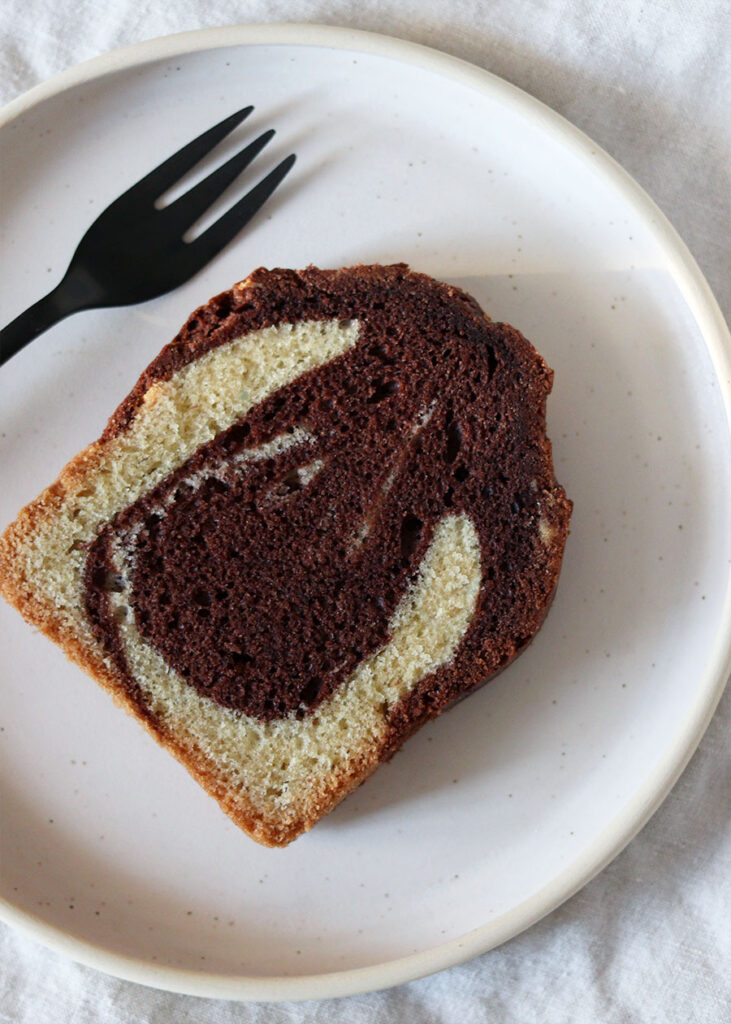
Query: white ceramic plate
495,814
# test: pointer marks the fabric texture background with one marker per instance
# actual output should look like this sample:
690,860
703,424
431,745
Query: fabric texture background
649,939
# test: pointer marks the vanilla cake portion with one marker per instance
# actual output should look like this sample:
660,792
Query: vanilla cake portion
326,512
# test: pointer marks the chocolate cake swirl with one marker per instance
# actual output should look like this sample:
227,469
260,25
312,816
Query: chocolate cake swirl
350,521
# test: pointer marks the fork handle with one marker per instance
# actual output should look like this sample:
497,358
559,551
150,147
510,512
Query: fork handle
66,298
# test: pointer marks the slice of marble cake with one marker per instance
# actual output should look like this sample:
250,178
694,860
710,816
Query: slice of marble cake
326,511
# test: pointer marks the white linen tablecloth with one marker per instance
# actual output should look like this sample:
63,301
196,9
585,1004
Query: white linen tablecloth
649,939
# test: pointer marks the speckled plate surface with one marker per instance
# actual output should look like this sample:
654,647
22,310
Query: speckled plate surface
492,816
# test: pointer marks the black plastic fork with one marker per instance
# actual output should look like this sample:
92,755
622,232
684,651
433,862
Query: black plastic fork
135,251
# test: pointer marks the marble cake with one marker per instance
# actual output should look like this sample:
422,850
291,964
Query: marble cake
326,512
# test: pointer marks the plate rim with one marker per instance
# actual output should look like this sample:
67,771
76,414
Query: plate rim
702,304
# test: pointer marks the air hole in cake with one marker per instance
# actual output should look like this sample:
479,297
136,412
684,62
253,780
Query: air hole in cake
236,437
216,486
182,492
454,439
491,361
411,530
448,499
311,691
383,390
224,304
380,353
291,482
461,473
202,597
112,582
240,658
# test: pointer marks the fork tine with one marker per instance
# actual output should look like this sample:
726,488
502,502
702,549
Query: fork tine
170,170
185,210
219,234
